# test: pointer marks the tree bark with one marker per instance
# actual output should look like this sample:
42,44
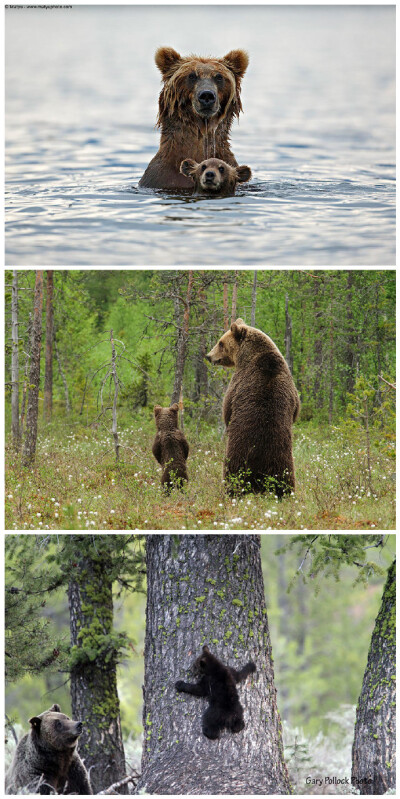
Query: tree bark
26,373
29,451
15,430
48,371
116,386
94,695
208,589
183,335
234,298
374,746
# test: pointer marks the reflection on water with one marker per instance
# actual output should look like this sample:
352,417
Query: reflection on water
317,132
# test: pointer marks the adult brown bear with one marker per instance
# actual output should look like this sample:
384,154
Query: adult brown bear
197,104
259,408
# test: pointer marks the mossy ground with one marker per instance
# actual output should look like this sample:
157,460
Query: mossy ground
76,484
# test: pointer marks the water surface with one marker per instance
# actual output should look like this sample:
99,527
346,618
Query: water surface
318,132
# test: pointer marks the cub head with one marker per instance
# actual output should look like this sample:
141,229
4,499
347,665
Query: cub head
226,351
55,730
203,662
214,176
166,418
203,88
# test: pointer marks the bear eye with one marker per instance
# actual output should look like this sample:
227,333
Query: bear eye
219,79
58,725
203,167
220,344
192,77
221,169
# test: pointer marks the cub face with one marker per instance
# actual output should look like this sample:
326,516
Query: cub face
214,176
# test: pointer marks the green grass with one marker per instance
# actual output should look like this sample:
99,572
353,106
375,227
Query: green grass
75,483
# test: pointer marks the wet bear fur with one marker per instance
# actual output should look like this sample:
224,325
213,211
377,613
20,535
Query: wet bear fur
215,177
218,683
197,104
170,447
46,759
259,408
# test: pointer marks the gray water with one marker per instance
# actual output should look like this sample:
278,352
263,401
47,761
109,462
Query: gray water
318,131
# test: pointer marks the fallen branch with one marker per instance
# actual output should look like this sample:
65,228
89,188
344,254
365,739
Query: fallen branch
113,788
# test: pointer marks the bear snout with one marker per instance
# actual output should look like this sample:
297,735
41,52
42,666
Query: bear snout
207,98
209,176
79,727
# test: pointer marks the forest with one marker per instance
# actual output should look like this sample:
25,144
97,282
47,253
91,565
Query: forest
90,618
89,353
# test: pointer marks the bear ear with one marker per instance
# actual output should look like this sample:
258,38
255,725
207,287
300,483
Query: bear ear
188,167
157,411
174,407
167,60
35,721
55,708
237,61
243,173
239,329
206,649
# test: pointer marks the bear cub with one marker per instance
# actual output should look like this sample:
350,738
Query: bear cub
218,683
170,447
46,759
215,177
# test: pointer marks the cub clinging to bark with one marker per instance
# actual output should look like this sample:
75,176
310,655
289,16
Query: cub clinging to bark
46,758
170,447
197,104
215,177
259,408
218,683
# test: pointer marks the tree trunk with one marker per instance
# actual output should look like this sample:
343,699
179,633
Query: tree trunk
183,336
208,589
48,371
26,373
288,335
63,378
116,386
16,436
254,300
374,746
94,695
225,303
234,298
34,374
350,352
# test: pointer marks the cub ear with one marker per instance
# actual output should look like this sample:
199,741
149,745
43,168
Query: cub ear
206,649
243,173
239,329
237,61
157,410
35,721
167,60
55,708
174,407
188,167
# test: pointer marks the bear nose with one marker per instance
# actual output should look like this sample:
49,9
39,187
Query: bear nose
79,726
210,175
207,357
207,98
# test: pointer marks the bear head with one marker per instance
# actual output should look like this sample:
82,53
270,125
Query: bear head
207,88
204,662
54,730
242,343
214,176
166,418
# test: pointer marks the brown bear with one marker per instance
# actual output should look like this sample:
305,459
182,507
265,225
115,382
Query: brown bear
199,99
215,177
170,447
46,758
259,408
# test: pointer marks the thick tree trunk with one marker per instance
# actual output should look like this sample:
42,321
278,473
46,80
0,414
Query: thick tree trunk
15,430
208,589
94,695
374,746
48,370
34,374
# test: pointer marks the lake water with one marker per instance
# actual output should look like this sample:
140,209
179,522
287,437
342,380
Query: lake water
318,131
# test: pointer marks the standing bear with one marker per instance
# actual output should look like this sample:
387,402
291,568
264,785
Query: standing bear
197,104
259,408
46,759
170,447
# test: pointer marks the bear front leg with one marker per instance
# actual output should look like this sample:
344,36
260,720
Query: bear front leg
78,779
196,689
241,675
